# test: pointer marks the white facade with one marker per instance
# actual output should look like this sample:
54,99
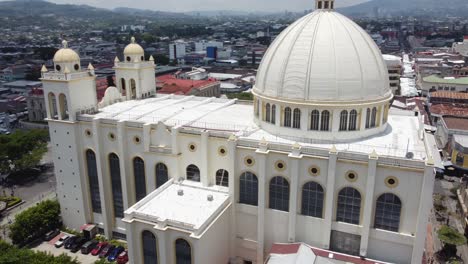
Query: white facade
177,50
202,45
210,180
394,66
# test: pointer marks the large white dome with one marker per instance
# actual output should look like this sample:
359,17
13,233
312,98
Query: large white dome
324,56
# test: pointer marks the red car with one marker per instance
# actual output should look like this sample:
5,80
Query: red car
123,257
98,248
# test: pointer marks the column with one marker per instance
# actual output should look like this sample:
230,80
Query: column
425,204
294,174
261,158
128,193
103,179
368,202
133,246
162,244
204,159
329,197
146,137
232,142
174,135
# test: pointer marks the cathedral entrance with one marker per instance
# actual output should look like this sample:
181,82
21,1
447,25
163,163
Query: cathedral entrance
345,243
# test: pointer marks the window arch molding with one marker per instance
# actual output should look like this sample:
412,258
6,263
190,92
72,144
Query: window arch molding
183,251
388,208
312,199
139,176
248,188
279,192
149,252
193,173
349,205
222,177
161,173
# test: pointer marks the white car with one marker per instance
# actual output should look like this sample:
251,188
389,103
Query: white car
61,241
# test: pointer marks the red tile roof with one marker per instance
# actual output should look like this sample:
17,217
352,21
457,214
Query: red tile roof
449,110
449,95
170,84
294,247
456,123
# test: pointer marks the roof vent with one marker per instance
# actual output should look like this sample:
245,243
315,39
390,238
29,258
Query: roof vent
409,155
180,192
210,197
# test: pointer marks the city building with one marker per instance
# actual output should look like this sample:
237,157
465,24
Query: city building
434,83
452,137
177,50
461,47
394,65
35,103
170,84
316,159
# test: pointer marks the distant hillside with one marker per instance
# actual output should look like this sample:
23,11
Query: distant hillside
147,13
409,7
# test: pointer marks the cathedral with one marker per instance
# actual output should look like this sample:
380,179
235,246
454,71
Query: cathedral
318,157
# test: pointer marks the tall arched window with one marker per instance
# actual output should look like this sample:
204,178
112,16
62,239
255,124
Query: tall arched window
140,178
193,173
248,188
183,251
150,248
63,106
343,120
387,212
279,194
93,181
314,120
325,124
53,106
352,120
273,114
297,118
374,117
312,199
267,112
133,88
116,182
349,206
123,85
368,118
287,117
162,175
222,178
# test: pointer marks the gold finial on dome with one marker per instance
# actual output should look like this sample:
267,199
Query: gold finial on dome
65,44
132,40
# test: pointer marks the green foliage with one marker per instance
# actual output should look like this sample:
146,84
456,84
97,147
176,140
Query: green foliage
102,261
118,243
11,255
11,200
22,149
35,221
451,236
161,59
241,96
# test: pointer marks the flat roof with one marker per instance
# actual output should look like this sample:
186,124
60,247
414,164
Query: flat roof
230,116
461,139
437,79
457,123
182,205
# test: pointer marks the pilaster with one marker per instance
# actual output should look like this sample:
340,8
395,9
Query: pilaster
232,142
262,153
368,202
128,193
204,159
295,156
329,197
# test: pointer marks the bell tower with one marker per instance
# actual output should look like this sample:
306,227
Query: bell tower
134,76
325,5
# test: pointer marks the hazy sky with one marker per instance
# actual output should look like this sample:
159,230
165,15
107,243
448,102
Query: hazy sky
197,5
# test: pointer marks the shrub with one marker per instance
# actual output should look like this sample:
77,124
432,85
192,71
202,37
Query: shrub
12,254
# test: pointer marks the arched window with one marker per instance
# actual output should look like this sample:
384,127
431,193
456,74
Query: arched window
133,88
53,106
387,212
222,178
273,114
279,194
314,120
193,173
93,181
248,188
325,125
162,175
140,178
343,120
150,248
352,120
267,112
349,206
287,117
183,252
63,106
374,117
312,199
368,118
297,118
116,182
123,86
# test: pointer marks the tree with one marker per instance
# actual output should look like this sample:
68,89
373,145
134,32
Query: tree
12,254
161,59
35,221
22,150
451,239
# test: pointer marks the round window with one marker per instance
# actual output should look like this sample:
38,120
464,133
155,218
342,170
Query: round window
391,182
137,140
111,136
77,67
128,58
192,147
314,170
58,68
142,58
222,151
88,132
280,166
249,161
351,176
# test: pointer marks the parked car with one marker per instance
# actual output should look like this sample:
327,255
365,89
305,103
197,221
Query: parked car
51,234
69,242
106,251
115,253
97,249
62,241
77,244
88,246
123,257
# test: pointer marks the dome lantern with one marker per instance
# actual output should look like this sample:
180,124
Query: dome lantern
133,52
326,5
66,58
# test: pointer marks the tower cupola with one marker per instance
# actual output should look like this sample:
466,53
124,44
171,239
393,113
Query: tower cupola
325,5
66,60
133,52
